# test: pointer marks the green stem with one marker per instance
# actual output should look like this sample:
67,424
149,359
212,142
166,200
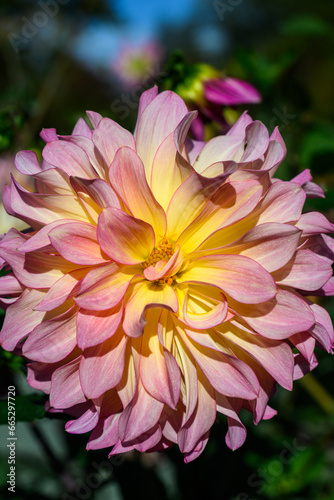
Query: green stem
318,392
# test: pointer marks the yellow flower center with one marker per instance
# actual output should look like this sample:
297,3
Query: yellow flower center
164,251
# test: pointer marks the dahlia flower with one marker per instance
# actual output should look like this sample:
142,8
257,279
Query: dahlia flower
134,63
212,93
164,280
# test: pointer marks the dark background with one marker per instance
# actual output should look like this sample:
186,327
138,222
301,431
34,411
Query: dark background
49,76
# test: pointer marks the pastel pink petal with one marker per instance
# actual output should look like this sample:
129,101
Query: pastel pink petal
189,200
125,239
327,290
26,162
302,366
193,149
21,319
273,157
103,288
306,271
105,433
94,327
199,448
283,202
311,189
149,439
101,366
182,130
85,423
48,135
98,190
158,120
314,223
61,290
284,315
163,268
322,331
212,318
9,285
94,118
53,339
240,277
52,181
304,343
159,371
142,413
202,419
87,145
145,99
39,375
81,128
269,413
127,176
38,209
77,243
239,128
66,376
36,269
108,137
40,240
236,433
228,375
146,295
69,158
219,149
261,242
257,140
275,357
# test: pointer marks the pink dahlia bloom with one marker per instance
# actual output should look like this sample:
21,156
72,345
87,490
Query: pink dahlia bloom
164,280
134,64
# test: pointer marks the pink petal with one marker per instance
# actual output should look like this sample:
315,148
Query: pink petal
26,162
240,277
314,223
61,290
94,327
139,416
283,203
261,243
85,423
101,366
125,239
157,121
53,339
77,243
278,318
69,158
103,288
21,319
230,91
108,137
257,141
145,99
306,271
202,419
159,371
81,128
66,376
127,175
87,145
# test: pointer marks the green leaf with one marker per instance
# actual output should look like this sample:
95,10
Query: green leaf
27,408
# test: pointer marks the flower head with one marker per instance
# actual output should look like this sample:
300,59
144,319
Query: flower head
134,63
164,279
211,93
